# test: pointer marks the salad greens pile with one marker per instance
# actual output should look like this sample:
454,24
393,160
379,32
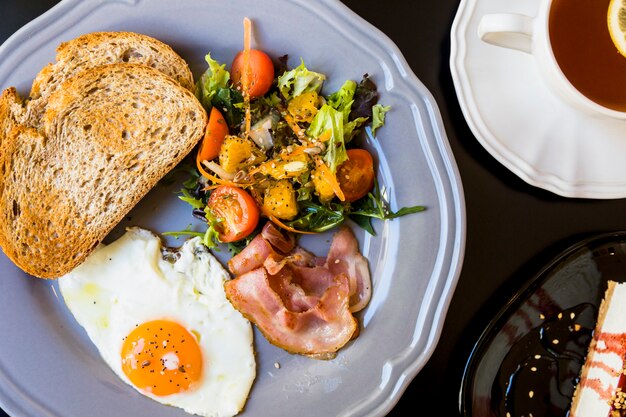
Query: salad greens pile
295,143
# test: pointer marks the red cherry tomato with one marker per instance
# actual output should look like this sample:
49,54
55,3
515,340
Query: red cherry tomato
214,134
260,73
356,175
238,211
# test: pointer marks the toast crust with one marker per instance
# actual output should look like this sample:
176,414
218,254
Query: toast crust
102,48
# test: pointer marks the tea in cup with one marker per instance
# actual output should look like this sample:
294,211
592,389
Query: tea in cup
573,47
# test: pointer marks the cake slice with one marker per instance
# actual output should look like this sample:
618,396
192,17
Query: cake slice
601,389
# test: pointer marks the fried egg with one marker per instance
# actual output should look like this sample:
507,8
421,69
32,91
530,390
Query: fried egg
161,321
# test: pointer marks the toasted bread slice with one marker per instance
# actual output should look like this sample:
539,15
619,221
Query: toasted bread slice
108,135
100,48
12,111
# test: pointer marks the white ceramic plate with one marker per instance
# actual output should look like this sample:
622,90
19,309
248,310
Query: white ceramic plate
527,128
48,366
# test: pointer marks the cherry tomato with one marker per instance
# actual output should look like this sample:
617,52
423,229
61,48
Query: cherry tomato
237,209
356,175
260,74
214,134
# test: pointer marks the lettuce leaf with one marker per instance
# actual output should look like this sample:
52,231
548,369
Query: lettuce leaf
215,78
378,116
330,119
351,129
342,99
300,80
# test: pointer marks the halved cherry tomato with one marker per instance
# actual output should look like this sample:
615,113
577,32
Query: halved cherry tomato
356,175
237,209
214,134
260,73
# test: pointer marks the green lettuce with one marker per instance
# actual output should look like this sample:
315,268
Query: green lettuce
330,119
300,80
215,78
342,99
378,116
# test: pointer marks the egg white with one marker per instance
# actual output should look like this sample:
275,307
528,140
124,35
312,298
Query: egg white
128,282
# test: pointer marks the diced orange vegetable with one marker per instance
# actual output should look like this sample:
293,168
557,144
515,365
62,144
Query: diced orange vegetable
280,200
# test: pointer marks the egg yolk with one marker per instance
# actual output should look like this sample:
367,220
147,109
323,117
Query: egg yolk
162,357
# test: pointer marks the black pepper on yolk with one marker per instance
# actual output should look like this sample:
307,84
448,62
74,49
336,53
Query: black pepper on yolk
162,357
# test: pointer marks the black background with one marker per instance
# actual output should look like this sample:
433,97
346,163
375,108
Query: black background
513,229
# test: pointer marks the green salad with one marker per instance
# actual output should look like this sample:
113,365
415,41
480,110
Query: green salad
278,148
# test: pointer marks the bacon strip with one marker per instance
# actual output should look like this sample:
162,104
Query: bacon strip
283,243
251,257
325,328
301,302
344,258
269,243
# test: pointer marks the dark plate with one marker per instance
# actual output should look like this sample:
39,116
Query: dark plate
528,359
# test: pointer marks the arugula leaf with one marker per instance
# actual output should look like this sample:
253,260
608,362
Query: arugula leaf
188,198
375,206
211,236
318,218
281,64
364,223
186,232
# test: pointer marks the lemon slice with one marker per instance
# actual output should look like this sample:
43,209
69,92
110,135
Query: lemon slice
616,19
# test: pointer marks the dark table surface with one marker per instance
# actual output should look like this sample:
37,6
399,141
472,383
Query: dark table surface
513,228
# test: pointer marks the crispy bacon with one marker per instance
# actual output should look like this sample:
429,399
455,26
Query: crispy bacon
301,302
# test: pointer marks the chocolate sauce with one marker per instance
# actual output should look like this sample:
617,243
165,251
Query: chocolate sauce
540,372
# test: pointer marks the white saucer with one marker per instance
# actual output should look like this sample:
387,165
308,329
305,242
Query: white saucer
527,128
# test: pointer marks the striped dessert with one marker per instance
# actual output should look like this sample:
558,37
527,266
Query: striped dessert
601,389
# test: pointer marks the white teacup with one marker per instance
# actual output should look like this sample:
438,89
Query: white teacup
531,34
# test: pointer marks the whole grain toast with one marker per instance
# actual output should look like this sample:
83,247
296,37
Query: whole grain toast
12,111
107,136
100,48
